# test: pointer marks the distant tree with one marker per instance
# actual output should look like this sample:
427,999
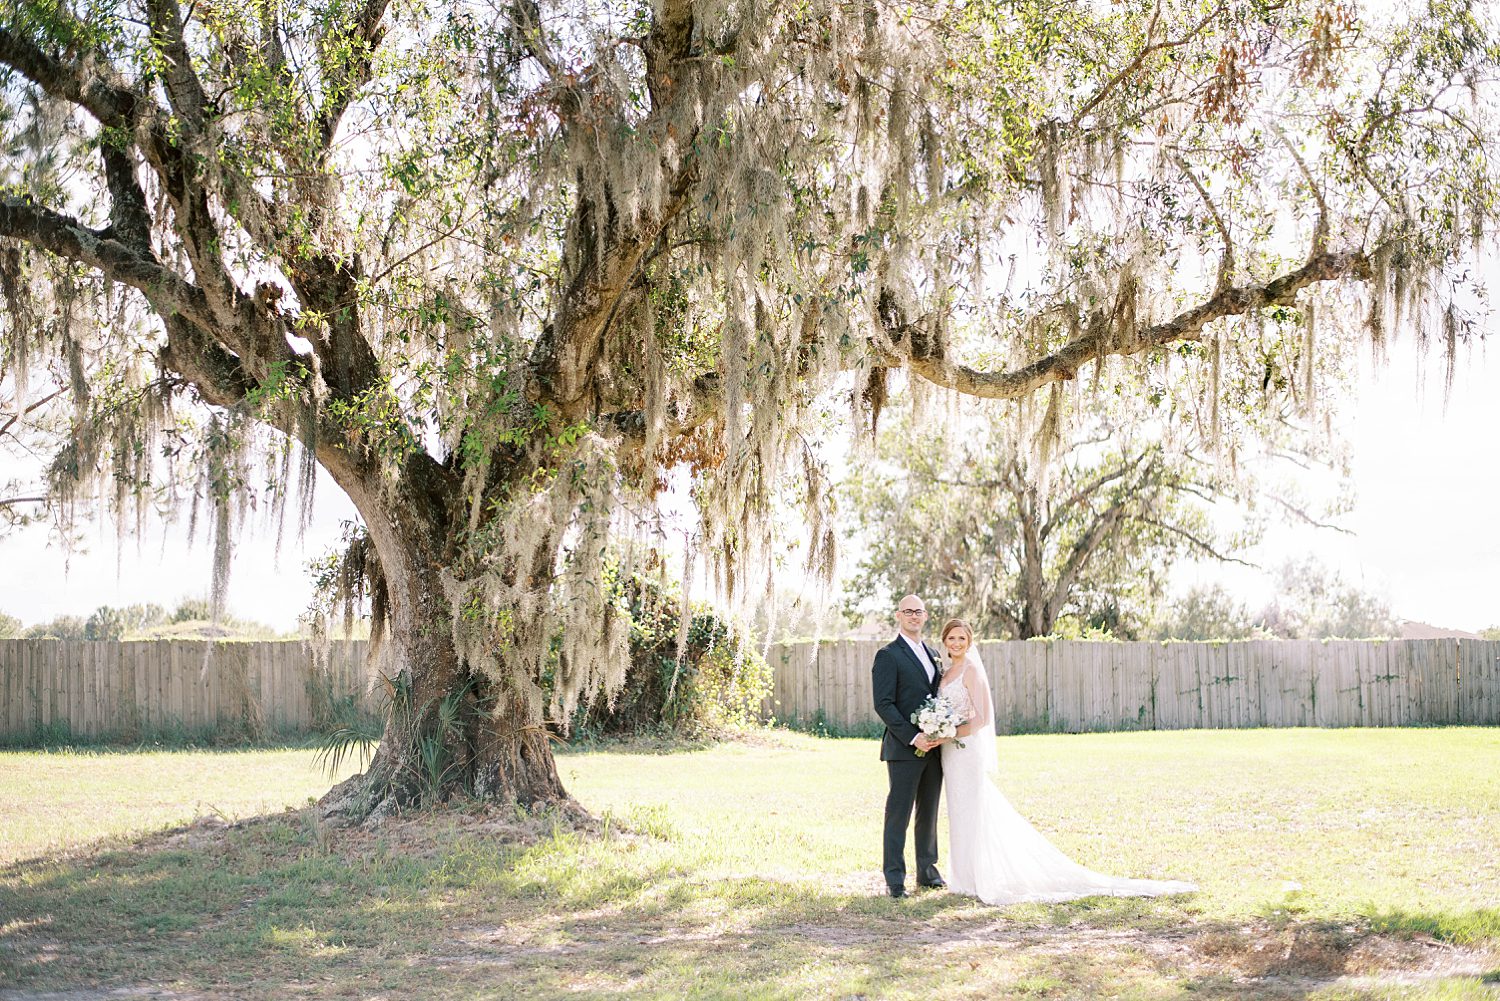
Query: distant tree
105,624
64,627
193,610
1208,612
1316,602
10,627
1490,632
981,527
140,617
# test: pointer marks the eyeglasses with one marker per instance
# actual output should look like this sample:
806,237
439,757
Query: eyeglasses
911,611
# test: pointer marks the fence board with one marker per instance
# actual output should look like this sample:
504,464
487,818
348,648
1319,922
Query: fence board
88,669
215,711
58,706
106,660
1486,655
1271,670
1059,690
67,704
18,697
1382,698
1388,659
12,668
861,694
1491,702
1210,667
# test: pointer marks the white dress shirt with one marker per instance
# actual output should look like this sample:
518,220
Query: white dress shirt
920,649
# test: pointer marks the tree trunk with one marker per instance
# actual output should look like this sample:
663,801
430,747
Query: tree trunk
449,731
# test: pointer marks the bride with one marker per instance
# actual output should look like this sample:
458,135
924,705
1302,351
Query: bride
993,852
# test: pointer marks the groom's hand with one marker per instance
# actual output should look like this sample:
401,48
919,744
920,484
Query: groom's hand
923,743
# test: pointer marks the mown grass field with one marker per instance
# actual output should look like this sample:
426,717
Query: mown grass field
1333,864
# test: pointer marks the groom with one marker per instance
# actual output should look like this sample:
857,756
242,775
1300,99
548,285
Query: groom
905,673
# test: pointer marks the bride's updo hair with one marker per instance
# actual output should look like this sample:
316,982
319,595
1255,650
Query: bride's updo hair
953,624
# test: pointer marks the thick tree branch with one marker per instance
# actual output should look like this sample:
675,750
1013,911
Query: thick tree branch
568,352
684,414
67,237
926,359
349,364
129,218
216,374
253,333
91,83
610,258
669,41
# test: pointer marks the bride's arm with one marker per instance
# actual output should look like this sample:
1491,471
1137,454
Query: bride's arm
979,694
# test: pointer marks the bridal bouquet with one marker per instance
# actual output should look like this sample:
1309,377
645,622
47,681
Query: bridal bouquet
937,720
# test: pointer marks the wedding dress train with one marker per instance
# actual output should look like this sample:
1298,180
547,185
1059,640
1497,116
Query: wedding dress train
994,853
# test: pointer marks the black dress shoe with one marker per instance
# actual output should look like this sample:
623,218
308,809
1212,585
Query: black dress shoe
897,891
937,884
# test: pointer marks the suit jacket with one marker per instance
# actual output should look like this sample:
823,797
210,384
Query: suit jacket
901,686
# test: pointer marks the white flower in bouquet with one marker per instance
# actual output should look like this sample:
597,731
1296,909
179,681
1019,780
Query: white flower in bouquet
937,720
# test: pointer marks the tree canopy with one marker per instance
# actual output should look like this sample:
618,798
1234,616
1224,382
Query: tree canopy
498,268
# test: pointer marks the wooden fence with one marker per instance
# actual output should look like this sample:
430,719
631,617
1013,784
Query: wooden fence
1075,686
107,689
110,689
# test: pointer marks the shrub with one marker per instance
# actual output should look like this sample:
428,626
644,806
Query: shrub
718,681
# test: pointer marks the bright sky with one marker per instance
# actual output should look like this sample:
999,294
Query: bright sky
1428,480
1426,468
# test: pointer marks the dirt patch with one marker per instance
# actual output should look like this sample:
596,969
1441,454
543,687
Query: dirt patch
1323,951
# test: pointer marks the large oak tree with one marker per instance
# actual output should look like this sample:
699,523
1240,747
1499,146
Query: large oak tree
497,267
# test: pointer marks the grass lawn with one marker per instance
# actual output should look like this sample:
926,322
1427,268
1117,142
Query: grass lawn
1334,864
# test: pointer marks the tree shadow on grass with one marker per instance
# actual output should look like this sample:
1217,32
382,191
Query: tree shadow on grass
285,898
472,903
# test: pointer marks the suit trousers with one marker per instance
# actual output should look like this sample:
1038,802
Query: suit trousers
915,782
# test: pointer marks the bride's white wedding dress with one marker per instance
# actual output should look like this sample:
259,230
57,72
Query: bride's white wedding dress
993,852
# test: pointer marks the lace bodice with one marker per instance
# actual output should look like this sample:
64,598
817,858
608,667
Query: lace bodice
957,693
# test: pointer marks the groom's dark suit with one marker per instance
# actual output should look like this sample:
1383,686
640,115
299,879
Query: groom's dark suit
901,685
